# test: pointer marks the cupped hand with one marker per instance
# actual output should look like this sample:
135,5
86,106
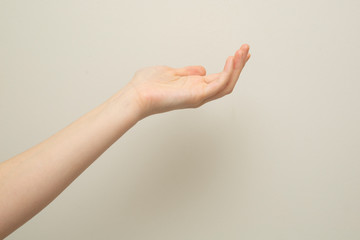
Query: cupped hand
162,88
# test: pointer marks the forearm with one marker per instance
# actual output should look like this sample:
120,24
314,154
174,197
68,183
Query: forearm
31,180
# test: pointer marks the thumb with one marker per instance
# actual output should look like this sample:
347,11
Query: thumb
191,70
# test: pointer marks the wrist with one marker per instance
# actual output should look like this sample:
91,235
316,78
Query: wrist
125,104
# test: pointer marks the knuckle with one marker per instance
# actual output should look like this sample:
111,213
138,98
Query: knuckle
198,104
228,92
195,103
139,71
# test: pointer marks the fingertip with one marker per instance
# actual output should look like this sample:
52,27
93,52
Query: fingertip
245,47
202,70
248,56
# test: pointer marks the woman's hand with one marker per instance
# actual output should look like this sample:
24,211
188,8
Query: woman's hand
162,88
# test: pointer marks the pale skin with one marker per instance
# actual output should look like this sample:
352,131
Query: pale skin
30,180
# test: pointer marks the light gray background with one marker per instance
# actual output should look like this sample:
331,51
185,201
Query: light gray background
276,159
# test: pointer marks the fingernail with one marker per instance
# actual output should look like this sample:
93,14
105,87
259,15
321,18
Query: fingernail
246,47
248,57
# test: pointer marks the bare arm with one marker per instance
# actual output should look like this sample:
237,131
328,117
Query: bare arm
34,178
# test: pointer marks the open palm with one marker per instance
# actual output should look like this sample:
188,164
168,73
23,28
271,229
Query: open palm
162,88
